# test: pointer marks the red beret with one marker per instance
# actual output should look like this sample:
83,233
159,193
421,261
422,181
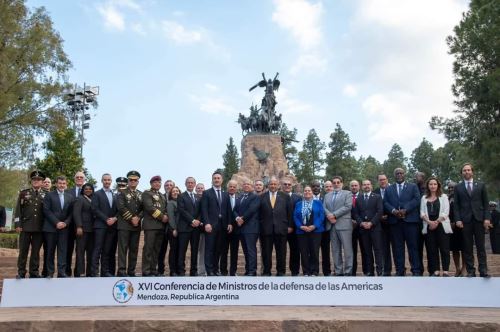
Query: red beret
155,178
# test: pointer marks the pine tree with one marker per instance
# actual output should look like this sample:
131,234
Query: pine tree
231,161
339,160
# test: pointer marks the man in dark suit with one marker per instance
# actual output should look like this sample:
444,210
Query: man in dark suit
402,199
233,238
293,244
57,209
246,216
216,215
473,216
3,218
105,231
383,183
368,210
75,191
188,227
356,239
275,223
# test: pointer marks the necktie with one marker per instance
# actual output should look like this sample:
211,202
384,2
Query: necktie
366,197
400,189
353,200
61,200
244,197
77,191
192,198
232,201
334,197
273,199
218,196
469,188
382,191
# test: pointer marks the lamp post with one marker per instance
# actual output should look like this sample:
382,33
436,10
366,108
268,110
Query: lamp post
79,99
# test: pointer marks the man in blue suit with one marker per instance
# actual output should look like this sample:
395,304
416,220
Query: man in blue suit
216,215
402,199
246,216
105,229
57,209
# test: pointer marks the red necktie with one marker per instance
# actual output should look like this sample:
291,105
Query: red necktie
353,200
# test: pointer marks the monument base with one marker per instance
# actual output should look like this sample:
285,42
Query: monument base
262,157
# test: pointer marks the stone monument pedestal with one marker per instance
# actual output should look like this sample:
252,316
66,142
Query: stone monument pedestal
261,158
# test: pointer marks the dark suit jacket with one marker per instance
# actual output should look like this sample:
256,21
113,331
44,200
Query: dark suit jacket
210,209
277,220
408,200
370,210
248,209
83,216
53,213
3,216
466,207
102,210
187,212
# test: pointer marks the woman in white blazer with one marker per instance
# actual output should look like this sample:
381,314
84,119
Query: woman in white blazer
434,211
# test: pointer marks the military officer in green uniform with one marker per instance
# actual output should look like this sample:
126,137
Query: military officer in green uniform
28,220
129,203
153,224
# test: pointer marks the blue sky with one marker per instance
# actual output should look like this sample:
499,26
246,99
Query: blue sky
173,75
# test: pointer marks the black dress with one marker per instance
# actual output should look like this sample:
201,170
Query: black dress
456,239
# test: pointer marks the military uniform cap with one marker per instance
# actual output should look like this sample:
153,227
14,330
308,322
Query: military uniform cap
121,181
36,174
155,178
133,175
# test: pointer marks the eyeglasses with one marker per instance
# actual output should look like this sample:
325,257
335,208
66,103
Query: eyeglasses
336,182
287,184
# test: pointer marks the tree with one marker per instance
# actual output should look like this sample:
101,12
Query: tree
395,158
422,159
310,158
339,160
475,46
62,155
11,181
231,161
288,137
448,161
369,169
32,67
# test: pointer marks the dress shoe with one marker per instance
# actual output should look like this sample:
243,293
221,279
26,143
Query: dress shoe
266,274
132,274
369,275
121,274
339,275
224,273
108,275
279,274
233,274
471,275
173,274
34,276
387,274
252,274
295,274
181,274
193,274
213,274
485,275
327,274
62,275
20,276
49,276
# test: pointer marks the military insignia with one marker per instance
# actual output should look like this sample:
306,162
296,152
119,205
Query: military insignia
156,197
129,197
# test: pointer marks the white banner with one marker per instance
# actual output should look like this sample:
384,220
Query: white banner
324,291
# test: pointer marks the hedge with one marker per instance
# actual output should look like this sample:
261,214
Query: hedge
8,240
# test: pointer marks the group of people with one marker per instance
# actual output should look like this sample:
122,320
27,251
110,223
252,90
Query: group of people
104,224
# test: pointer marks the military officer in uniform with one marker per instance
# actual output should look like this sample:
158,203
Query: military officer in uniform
28,220
155,218
121,183
129,204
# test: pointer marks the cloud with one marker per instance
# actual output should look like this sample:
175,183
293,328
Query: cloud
288,105
213,105
350,90
113,19
301,19
211,87
176,32
113,12
403,65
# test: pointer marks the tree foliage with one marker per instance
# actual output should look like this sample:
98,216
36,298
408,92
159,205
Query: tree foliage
422,159
395,158
11,181
32,67
475,46
288,137
62,155
369,169
310,159
231,161
339,159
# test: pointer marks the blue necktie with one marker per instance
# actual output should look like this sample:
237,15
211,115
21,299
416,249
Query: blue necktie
61,199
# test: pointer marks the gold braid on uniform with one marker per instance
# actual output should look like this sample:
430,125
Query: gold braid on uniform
156,214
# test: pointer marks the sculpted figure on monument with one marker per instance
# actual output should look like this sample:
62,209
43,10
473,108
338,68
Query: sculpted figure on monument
265,121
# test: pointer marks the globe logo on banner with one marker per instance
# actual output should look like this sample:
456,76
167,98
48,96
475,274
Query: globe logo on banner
123,291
